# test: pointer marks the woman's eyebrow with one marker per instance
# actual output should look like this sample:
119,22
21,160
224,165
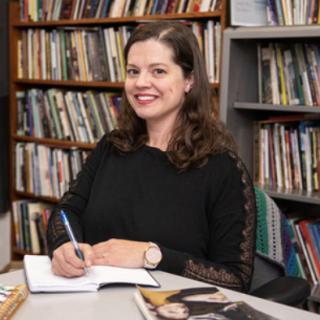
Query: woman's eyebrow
155,64
131,65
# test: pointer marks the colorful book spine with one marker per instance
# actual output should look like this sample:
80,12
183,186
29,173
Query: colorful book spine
310,247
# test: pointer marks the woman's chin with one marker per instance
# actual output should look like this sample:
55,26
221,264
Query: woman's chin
146,115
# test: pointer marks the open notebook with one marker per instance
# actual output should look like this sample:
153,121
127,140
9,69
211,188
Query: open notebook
41,279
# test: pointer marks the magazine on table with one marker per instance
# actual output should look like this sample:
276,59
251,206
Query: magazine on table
194,304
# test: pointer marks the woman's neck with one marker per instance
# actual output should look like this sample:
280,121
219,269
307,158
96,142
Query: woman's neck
159,137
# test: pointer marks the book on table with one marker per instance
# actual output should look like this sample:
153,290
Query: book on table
41,279
193,303
11,297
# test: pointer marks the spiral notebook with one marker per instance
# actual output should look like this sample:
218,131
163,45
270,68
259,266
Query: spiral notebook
41,279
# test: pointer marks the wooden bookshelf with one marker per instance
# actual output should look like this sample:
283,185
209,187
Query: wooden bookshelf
124,20
36,197
77,84
55,143
18,84
69,83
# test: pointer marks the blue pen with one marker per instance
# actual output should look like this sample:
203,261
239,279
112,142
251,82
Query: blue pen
73,240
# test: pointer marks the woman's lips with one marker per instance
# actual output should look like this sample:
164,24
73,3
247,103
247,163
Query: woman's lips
145,98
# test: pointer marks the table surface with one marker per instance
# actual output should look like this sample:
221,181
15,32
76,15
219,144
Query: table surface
116,301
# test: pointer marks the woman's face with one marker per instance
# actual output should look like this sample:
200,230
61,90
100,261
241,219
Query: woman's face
173,311
155,85
207,297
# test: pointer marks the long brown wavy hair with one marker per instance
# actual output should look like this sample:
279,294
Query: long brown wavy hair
197,134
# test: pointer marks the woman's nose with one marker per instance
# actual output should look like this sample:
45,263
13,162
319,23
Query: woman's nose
143,80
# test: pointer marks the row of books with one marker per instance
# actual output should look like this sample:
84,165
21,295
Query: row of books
85,54
45,171
34,10
209,40
287,154
30,220
293,12
305,236
70,115
289,74
96,54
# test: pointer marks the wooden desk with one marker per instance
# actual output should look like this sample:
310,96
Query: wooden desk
116,302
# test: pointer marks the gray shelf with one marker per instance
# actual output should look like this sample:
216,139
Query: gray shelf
239,94
303,196
274,32
271,107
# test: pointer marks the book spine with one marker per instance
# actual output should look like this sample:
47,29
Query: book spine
305,253
310,247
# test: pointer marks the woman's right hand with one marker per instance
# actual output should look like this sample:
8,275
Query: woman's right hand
66,263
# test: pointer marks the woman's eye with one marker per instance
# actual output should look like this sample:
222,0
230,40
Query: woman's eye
132,72
159,71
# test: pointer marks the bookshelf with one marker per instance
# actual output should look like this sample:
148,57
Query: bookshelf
239,100
240,105
18,84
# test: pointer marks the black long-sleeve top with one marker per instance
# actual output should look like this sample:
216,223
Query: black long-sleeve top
203,219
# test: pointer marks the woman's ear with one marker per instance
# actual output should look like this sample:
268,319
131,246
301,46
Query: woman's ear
189,84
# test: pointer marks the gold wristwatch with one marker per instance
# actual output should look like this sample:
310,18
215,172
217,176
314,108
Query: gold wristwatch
152,256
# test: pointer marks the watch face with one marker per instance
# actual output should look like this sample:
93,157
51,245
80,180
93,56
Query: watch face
153,255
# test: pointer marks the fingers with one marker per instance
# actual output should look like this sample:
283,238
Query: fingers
119,253
100,253
104,246
87,253
102,261
66,263
65,269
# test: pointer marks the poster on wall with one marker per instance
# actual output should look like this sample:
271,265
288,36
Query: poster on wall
248,13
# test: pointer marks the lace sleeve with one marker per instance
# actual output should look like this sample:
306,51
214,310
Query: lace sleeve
232,245
56,233
74,201
239,279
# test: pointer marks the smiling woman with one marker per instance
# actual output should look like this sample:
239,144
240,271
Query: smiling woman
156,88
166,189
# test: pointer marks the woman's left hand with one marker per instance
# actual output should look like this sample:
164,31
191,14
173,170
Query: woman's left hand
120,253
